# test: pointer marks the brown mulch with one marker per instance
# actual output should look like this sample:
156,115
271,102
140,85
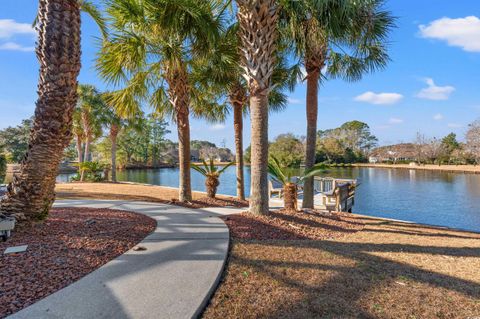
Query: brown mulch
139,192
289,225
71,243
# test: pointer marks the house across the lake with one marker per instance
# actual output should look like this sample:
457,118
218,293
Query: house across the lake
405,152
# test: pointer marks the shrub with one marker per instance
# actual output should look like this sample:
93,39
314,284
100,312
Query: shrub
92,172
212,174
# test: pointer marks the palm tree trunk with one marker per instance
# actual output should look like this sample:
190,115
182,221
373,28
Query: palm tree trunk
311,141
237,100
259,158
185,190
88,135
258,33
179,93
313,65
290,196
211,184
86,157
78,142
32,191
238,128
113,138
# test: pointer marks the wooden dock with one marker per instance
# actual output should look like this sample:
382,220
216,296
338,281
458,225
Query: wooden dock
334,194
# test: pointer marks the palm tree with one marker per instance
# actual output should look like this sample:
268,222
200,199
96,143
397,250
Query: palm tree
258,34
110,118
153,45
290,183
79,134
115,127
345,37
221,74
58,24
212,174
91,107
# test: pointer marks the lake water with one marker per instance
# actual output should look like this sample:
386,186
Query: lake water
437,198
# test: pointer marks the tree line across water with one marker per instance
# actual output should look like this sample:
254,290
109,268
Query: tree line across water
141,143
353,142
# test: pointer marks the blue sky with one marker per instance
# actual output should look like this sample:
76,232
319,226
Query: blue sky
431,85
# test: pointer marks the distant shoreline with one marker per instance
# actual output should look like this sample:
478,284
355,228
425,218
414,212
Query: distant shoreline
467,169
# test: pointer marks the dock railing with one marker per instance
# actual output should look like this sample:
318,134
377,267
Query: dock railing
328,184
338,193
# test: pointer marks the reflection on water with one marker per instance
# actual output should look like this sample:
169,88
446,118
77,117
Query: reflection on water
447,199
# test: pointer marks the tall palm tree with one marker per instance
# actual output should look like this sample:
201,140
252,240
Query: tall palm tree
114,122
91,107
79,134
152,47
58,24
258,34
345,37
221,74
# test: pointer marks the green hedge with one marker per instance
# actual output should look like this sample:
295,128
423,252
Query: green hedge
3,168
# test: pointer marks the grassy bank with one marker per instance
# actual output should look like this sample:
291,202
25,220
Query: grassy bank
388,270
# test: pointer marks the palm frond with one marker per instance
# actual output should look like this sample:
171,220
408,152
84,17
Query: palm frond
91,9
225,168
275,170
317,169
199,169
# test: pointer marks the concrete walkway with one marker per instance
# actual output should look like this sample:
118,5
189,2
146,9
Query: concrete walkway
173,278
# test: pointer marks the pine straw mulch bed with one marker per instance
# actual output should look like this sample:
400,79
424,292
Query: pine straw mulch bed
291,225
203,202
388,269
71,243
139,192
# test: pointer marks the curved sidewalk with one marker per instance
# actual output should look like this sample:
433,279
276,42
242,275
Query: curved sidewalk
173,278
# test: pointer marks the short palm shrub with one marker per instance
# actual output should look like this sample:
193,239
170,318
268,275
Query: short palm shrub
212,174
284,175
91,172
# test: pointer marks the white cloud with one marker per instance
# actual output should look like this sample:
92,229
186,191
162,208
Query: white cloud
434,92
438,117
295,101
454,125
395,120
9,28
379,98
461,32
12,46
217,127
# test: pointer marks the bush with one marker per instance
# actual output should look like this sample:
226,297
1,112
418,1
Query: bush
92,172
3,168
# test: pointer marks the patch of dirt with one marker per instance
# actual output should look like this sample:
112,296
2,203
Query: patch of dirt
289,225
71,243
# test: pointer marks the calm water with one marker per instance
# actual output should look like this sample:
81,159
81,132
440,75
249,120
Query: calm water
445,199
